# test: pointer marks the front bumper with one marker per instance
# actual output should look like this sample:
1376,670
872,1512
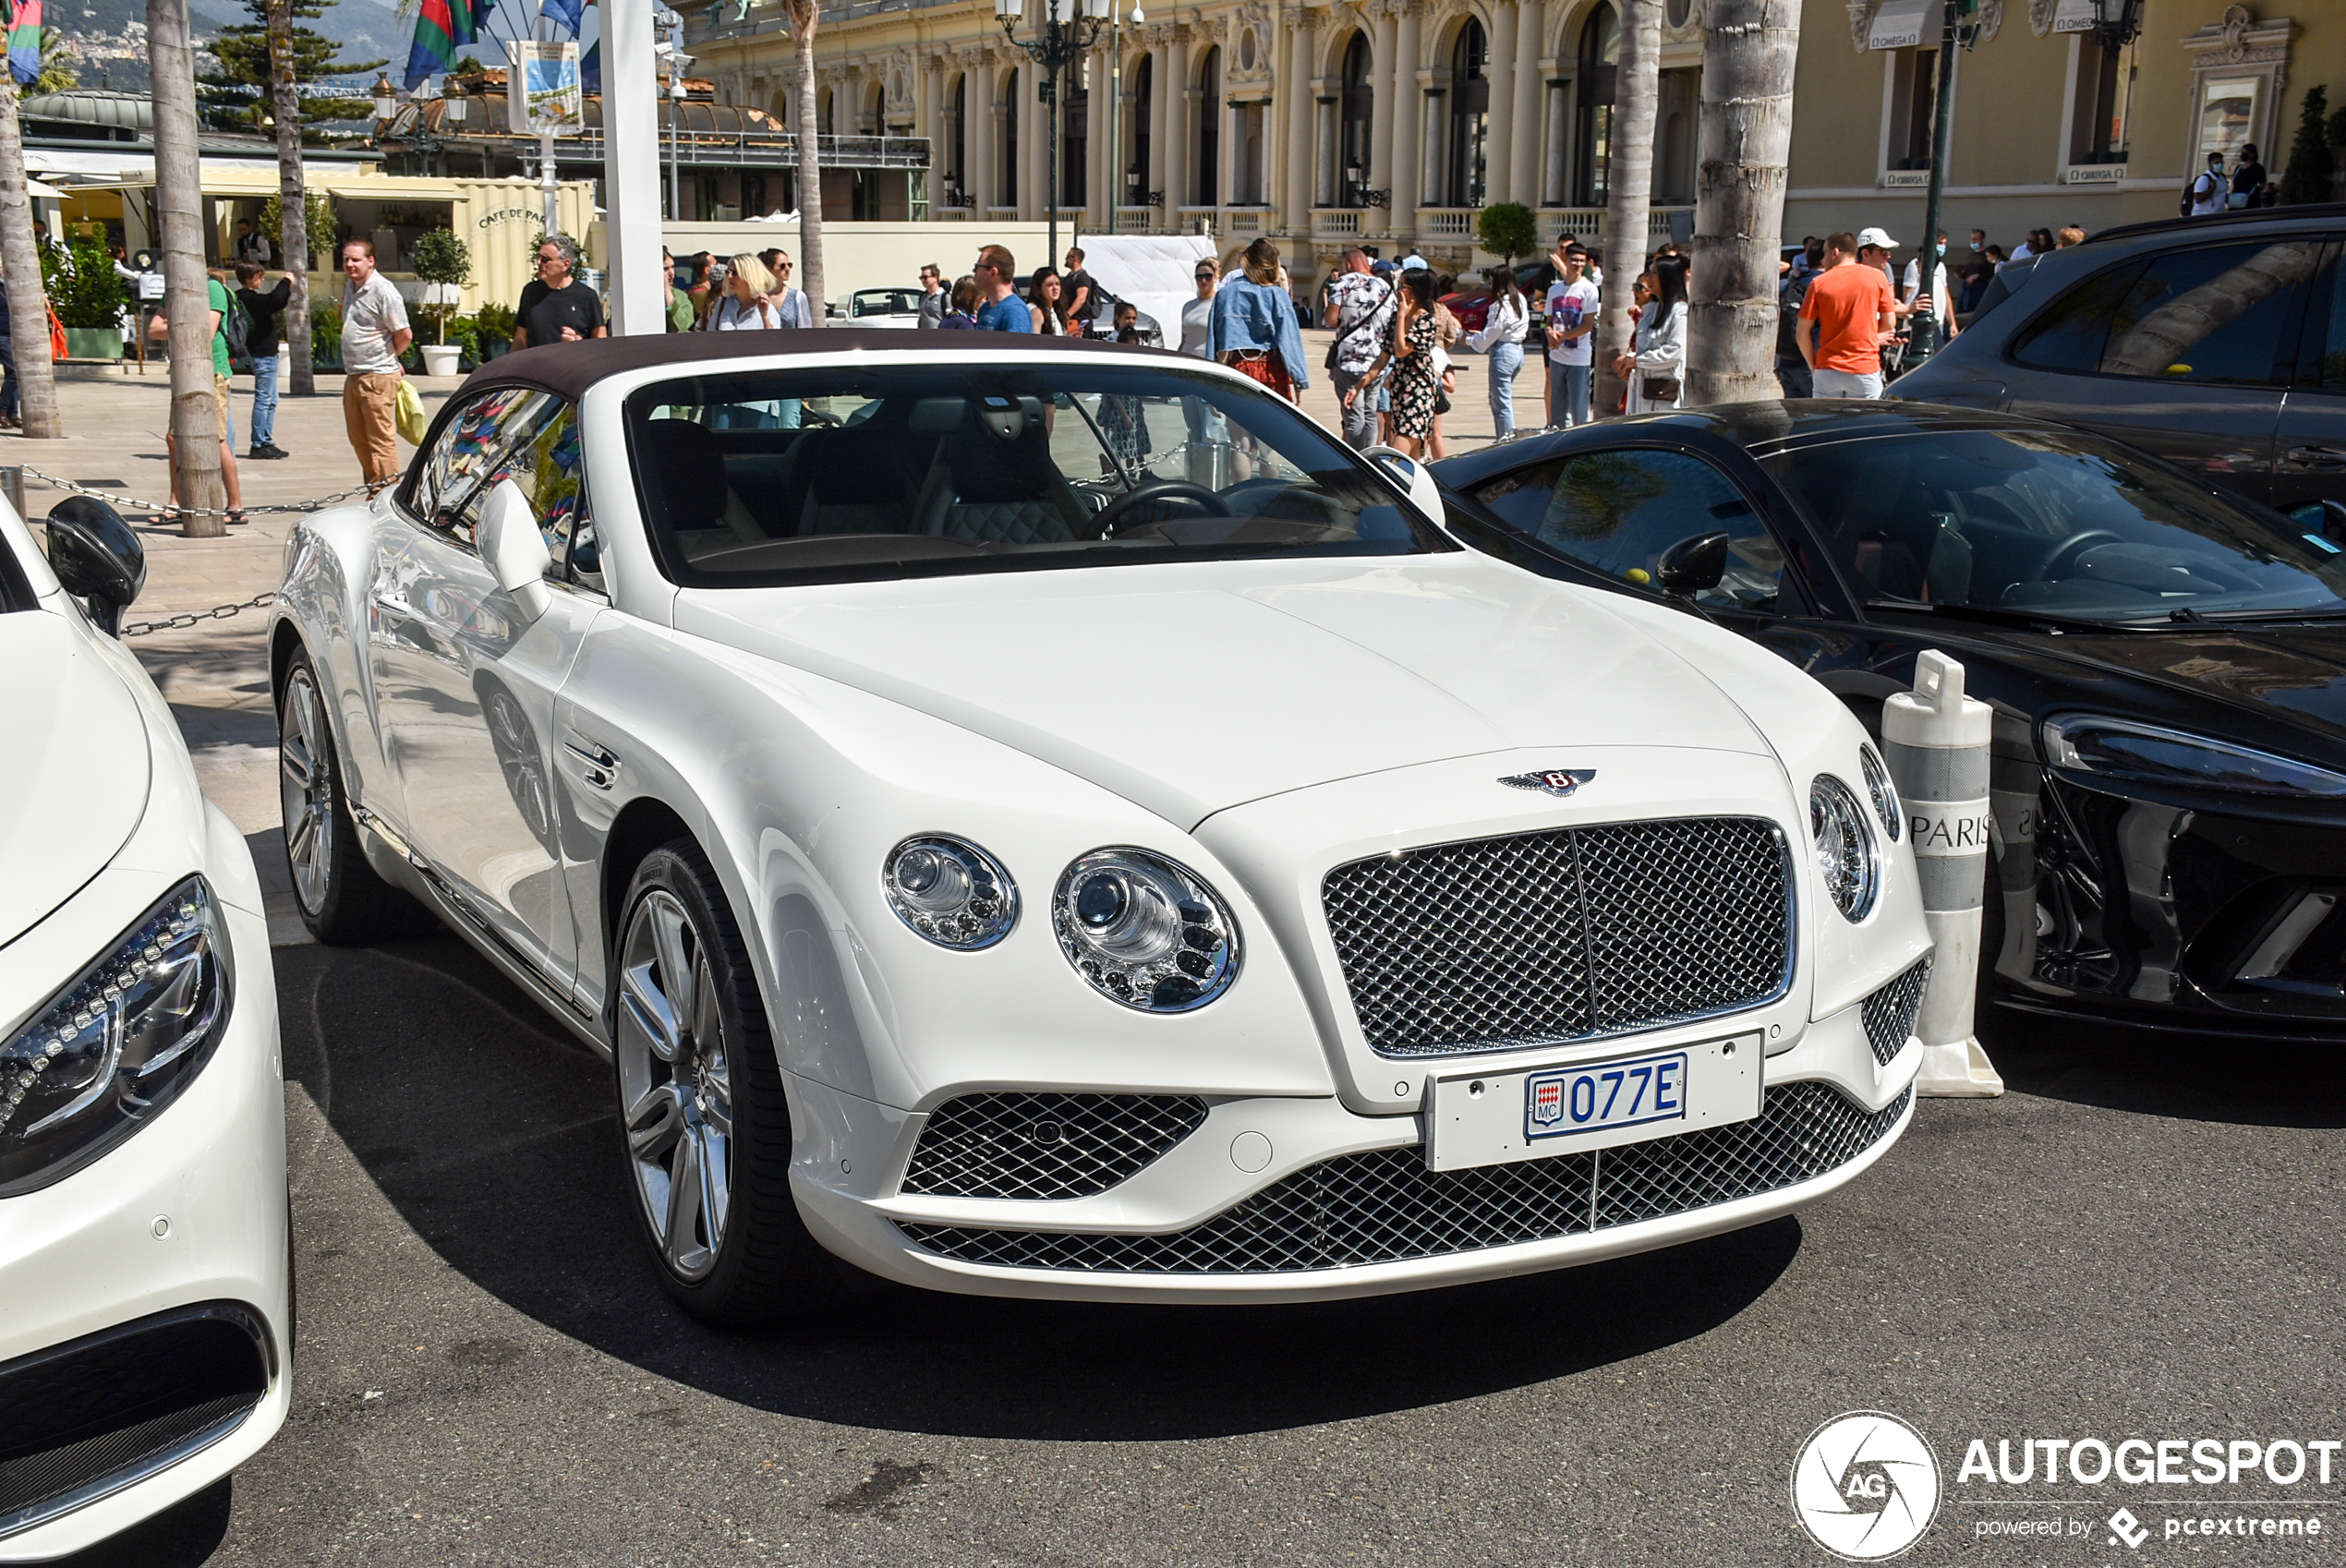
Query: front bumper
1302,1199
84,1269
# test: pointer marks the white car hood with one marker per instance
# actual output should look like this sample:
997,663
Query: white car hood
76,781
1188,689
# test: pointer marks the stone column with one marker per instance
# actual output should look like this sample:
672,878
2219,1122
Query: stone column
1408,120
1099,187
1552,194
1499,137
1433,189
985,139
1226,146
1180,125
1326,170
1032,131
1161,124
1523,156
1392,93
1295,105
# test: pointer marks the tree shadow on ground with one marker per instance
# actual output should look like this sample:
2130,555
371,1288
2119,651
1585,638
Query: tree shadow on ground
492,1133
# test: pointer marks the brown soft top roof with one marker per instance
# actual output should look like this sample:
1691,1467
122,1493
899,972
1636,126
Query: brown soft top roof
569,368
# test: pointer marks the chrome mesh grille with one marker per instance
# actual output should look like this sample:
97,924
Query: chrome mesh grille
1386,1206
1046,1145
1890,1012
1564,935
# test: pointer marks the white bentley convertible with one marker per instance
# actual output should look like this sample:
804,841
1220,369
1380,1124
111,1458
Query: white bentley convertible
1038,818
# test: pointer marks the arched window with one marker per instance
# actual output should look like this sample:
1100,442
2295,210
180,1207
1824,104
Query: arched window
1358,110
957,178
1470,116
1006,187
1136,179
1209,128
1074,110
1600,54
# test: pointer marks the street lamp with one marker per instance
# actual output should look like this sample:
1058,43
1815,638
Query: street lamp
2117,23
1062,43
386,99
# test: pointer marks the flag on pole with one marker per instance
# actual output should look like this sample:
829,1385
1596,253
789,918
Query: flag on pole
24,41
571,14
442,26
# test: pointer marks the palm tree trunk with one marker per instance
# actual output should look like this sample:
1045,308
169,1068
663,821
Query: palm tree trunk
294,229
28,301
195,428
1749,51
803,19
1628,187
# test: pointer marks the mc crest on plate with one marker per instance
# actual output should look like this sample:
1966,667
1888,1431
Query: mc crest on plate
1556,780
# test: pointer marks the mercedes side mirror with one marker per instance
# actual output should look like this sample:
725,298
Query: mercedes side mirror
97,559
515,550
1693,565
1408,475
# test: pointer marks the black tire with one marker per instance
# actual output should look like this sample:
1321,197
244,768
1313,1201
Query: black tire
342,898
764,1265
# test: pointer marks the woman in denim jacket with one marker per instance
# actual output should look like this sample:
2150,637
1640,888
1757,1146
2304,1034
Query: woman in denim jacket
1254,327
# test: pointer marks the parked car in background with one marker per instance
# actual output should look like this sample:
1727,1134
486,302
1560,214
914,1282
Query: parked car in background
2218,343
1069,827
1471,302
878,308
2167,663
145,1263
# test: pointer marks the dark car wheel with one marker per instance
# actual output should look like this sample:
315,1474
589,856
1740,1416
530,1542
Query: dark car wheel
342,898
702,1112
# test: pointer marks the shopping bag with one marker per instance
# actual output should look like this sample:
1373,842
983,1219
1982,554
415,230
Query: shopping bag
412,423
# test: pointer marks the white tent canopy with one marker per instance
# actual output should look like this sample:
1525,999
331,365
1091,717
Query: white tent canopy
1157,273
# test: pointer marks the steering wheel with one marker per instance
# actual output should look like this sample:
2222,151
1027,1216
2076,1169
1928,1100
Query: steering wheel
2074,545
1103,521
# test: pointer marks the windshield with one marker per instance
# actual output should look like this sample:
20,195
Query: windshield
885,302
834,473
2065,524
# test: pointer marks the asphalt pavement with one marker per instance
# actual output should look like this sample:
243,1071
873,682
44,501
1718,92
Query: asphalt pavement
2140,1239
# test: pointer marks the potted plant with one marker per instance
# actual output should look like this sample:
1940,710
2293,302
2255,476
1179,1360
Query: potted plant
89,298
445,265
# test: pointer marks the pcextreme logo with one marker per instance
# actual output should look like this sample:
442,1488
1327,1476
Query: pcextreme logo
1865,1486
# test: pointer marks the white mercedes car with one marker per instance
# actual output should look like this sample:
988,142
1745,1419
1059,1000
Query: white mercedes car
145,1314
1034,818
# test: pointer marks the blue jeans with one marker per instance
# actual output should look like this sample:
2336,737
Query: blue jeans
8,377
1568,386
265,401
1506,359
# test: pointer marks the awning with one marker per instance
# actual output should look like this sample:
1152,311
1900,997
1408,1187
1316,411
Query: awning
1904,24
35,190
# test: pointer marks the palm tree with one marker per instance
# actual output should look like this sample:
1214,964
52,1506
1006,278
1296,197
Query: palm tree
1629,185
803,17
293,225
1747,53
28,301
171,67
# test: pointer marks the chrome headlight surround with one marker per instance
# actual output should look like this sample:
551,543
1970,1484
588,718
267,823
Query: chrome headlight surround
949,891
121,1042
2151,754
1845,852
1886,805
1145,932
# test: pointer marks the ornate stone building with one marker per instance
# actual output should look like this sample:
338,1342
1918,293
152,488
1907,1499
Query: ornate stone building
1385,121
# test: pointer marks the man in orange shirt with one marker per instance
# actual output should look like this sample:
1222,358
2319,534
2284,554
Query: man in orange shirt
1848,314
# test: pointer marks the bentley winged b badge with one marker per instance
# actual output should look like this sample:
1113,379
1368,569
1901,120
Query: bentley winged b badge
1556,780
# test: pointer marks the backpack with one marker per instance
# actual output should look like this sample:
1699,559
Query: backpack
237,328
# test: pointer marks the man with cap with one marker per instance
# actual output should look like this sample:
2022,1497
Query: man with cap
1846,315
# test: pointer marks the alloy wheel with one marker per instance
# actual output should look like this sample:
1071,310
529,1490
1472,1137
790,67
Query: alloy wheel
306,790
675,1084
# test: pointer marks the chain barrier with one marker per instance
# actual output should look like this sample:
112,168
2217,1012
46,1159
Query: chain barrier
170,509
195,617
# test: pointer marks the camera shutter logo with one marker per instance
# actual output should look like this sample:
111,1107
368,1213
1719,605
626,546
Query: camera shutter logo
1865,1486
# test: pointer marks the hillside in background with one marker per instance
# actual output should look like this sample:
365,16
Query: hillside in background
108,38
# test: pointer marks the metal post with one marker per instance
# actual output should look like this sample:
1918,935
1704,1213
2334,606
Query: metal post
1936,741
1051,142
12,487
546,189
1925,328
1114,112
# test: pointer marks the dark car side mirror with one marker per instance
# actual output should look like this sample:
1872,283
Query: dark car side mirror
2327,518
1693,565
97,558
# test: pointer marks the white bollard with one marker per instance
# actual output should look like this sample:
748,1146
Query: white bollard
1935,740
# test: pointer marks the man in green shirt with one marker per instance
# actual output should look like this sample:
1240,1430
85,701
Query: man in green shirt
678,304
221,305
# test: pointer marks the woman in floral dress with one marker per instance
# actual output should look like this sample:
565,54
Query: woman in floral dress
1413,380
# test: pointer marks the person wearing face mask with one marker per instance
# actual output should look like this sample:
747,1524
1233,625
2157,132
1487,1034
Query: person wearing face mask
1937,305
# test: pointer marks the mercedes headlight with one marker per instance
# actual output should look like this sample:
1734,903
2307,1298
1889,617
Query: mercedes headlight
949,891
1145,930
118,1044
1844,847
1886,805
2118,748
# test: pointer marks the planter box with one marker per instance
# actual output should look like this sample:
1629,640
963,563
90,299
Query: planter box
93,343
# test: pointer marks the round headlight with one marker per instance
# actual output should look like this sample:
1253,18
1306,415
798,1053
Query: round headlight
1844,847
1145,930
952,892
1885,794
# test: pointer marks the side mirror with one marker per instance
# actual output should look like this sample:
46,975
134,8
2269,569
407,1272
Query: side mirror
97,558
1694,564
2327,518
1410,476
515,550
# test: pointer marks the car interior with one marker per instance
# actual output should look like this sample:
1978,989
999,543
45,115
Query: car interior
930,467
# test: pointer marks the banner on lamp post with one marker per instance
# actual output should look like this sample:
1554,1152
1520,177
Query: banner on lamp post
547,97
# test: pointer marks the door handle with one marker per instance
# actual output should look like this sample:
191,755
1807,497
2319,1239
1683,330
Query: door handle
2317,457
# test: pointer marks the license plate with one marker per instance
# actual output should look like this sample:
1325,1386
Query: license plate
1495,1118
